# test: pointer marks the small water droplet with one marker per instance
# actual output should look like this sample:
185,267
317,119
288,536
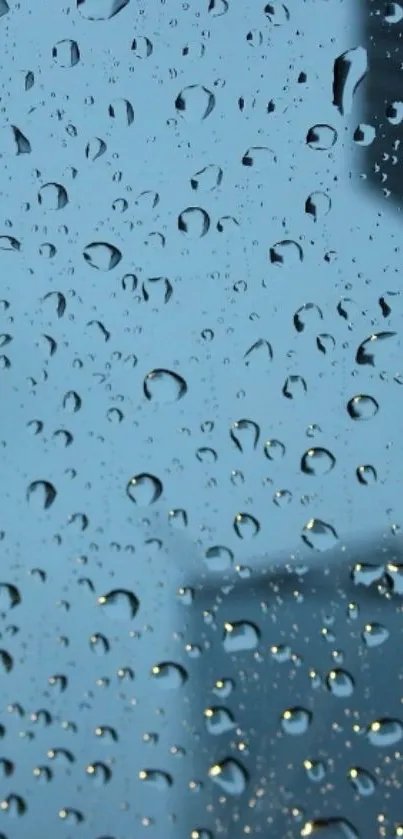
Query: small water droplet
102,256
286,253
218,558
321,137
194,222
361,781
42,494
156,779
340,683
218,720
374,634
274,450
245,434
366,475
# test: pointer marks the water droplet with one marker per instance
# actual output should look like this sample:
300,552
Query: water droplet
349,70
277,13
364,134
321,137
121,110
164,386
296,721
374,634
294,387
119,604
170,676
72,401
245,434
282,497
194,222
4,7
315,769
319,535
9,243
306,314
286,253
274,450
218,720
362,407
99,773
240,636
100,9
66,53
318,205
325,343
144,489
259,157
330,829
52,196
99,644
393,13
366,475
261,352
95,148
6,662
142,47
9,597
230,776
102,256
376,349
218,558
340,683
195,103
223,688
317,461
156,779
246,526
207,179
361,781
385,732
42,494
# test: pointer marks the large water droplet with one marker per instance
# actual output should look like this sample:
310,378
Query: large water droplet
274,449
330,829
319,535
260,353
259,157
119,604
340,683
66,53
307,314
296,721
362,407
195,103
374,634
207,179
377,349
321,137
318,205
230,776
349,70
218,558
366,475
144,489
246,526
385,732
164,386
245,434
102,256
194,222
277,13
52,196
317,461
240,636
100,9
361,781
42,494
286,253
156,779
218,720
169,675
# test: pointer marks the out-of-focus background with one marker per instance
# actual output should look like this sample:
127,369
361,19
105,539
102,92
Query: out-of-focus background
202,388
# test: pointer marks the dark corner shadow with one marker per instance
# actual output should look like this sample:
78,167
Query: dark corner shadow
301,643
380,31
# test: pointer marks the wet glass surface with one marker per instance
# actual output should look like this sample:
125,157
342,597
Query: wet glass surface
201,380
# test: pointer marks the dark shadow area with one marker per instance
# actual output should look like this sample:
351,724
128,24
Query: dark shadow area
324,643
380,159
